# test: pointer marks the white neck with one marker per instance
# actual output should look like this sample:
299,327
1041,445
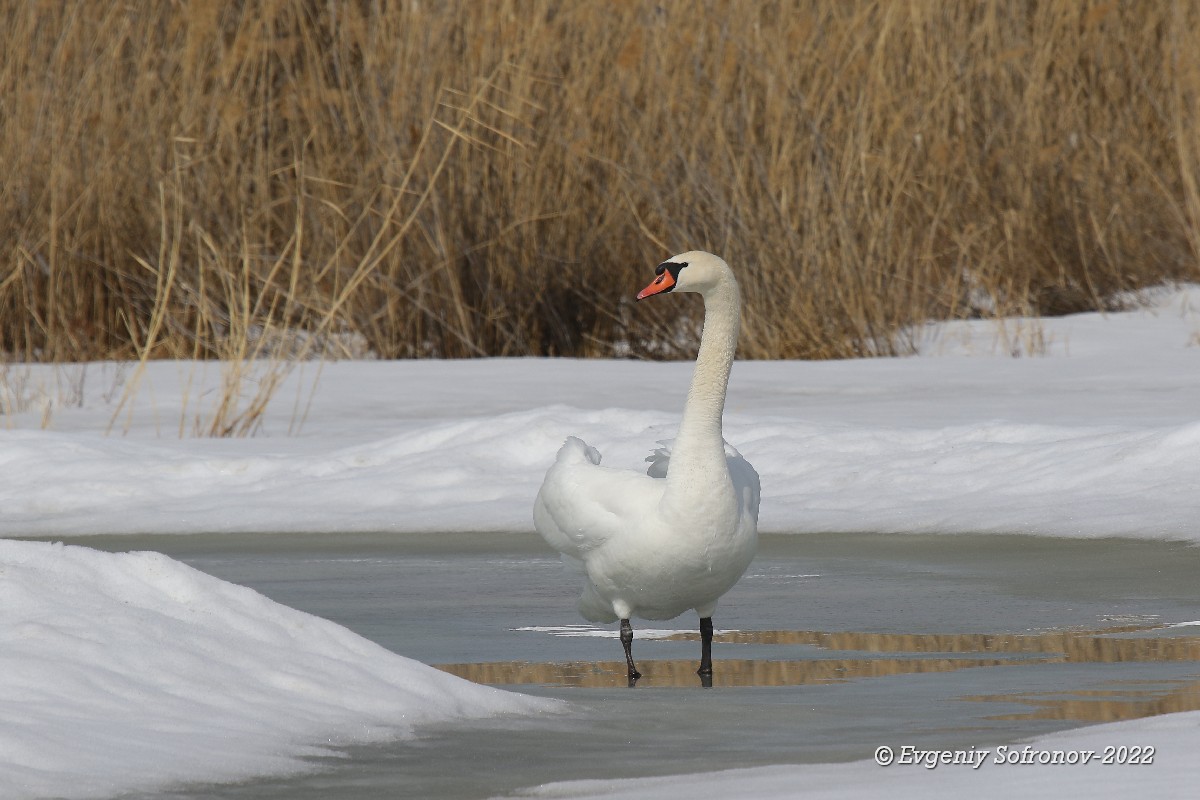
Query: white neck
698,453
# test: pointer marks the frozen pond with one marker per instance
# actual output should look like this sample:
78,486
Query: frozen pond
835,645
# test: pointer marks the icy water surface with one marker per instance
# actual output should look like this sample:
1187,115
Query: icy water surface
829,647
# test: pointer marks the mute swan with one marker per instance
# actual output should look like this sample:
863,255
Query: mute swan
678,537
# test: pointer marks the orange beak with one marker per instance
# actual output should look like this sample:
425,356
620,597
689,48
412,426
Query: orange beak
664,281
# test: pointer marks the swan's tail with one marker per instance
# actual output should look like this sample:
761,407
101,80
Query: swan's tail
577,451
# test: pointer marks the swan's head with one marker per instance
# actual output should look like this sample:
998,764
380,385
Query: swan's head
693,271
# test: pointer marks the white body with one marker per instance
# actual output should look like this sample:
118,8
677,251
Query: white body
655,544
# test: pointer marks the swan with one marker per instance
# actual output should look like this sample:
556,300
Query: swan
677,537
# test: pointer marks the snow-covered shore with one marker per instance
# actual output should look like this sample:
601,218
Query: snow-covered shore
1154,757
129,671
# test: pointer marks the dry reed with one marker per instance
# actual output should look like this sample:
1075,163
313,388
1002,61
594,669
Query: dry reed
270,177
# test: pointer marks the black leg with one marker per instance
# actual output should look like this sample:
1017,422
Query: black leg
627,640
705,646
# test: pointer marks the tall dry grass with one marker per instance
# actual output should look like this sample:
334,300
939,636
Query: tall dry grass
450,178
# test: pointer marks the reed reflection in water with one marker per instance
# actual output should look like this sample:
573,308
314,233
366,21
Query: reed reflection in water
726,672
911,653
1137,699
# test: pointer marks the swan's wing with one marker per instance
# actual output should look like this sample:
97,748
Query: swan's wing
660,457
582,504
745,478
745,482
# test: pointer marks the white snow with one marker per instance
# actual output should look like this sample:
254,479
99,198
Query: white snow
1003,771
1096,437
132,671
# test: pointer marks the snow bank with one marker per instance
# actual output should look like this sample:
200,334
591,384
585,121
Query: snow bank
481,474
1096,435
123,671
1001,772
